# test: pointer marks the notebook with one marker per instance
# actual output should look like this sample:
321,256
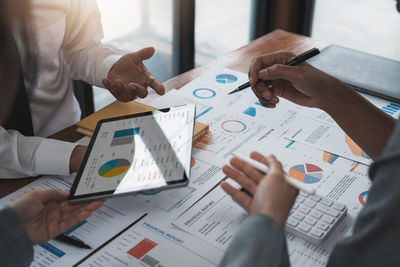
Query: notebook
116,109
365,72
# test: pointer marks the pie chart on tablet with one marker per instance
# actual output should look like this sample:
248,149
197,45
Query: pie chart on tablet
114,168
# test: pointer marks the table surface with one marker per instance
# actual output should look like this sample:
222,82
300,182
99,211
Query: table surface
239,59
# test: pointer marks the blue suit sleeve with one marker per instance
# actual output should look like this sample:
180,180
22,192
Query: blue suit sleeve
15,246
260,242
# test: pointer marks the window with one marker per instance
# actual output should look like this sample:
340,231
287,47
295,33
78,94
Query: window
135,24
368,25
221,26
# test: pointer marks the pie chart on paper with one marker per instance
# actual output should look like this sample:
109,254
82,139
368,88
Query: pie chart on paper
114,168
226,78
306,173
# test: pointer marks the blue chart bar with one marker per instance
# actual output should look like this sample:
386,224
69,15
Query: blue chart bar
126,132
73,228
395,105
258,104
250,111
52,249
388,110
202,113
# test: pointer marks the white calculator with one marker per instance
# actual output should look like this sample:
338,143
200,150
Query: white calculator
314,217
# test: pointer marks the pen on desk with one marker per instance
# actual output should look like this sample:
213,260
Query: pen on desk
261,167
293,62
72,241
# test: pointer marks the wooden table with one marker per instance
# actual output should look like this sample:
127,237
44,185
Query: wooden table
239,59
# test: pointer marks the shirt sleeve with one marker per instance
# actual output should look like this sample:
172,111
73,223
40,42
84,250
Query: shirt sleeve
22,156
260,242
85,56
16,248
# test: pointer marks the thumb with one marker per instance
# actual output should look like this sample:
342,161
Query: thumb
279,72
144,53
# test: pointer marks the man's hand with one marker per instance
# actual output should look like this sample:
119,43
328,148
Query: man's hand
128,77
272,196
302,84
46,213
76,158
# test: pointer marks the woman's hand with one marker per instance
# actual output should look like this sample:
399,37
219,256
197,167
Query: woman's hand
271,195
46,213
302,84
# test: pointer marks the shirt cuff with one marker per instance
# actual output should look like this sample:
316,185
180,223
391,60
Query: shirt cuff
53,156
105,67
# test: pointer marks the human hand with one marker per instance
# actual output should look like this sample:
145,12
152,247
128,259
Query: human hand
46,213
76,158
272,196
302,84
128,78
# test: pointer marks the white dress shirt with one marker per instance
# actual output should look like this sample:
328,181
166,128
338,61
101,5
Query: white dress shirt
69,34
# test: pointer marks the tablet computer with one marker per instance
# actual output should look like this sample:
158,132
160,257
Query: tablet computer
137,153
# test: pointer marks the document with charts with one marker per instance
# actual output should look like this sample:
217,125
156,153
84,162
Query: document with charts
316,128
115,215
151,243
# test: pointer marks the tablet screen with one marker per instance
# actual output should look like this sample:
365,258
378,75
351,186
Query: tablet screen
137,153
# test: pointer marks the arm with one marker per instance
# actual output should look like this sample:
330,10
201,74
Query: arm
23,156
304,85
15,246
88,59
261,239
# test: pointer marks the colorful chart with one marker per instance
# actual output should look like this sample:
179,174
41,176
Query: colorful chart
329,157
192,162
114,168
355,149
124,137
205,142
258,104
391,109
204,93
250,111
363,197
226,78
142,248
306,173
233,126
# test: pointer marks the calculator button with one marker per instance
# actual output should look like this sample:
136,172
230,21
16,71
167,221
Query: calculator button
328,219
295,206
300,199
304,227
316,232
292,222
322,226
298,216
315,197
310,203
327,202
328,211
316,214
304,209
310,221
338,206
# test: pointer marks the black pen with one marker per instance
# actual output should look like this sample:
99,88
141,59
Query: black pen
293,62
72,241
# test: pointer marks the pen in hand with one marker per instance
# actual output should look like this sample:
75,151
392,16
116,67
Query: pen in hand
293,62
261,167
72,241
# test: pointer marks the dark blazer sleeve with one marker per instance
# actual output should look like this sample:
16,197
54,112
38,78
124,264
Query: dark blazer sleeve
260,241
15,246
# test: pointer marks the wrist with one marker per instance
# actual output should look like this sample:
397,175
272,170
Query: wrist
338,94
76,158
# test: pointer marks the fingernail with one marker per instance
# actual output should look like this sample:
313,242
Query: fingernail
266,96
